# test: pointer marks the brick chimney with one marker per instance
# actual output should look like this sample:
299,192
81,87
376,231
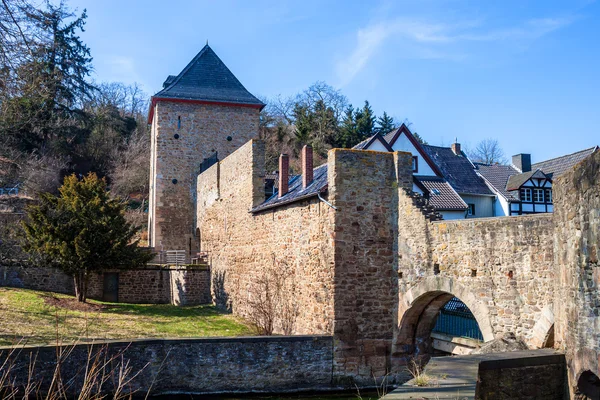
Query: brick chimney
284,174
307,166
522,162
456,148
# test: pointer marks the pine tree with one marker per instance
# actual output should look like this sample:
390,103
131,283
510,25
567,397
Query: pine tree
365,122
82,231
348,135
385,124
419,138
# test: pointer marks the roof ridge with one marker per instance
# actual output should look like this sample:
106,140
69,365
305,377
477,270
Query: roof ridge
566,155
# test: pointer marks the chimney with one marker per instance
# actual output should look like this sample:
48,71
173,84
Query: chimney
456,148
522,162
307,166
284,172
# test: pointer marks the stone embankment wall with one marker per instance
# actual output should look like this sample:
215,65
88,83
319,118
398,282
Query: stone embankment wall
185,366
576,255
150,285
202,130
288,250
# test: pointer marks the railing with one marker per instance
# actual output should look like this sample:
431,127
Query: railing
175,257
455,319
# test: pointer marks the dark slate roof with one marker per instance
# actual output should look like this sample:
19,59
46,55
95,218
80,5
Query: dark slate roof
497,177
516,181
295,190
441,195
555,167
275,178
207,78
457,170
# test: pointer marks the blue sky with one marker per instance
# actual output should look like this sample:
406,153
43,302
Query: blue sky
524,72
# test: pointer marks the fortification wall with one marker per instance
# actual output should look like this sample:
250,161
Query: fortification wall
202,130
501,268
252,254
185,366
363,186
576,254
149,285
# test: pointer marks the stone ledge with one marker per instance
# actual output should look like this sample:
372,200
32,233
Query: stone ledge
175,341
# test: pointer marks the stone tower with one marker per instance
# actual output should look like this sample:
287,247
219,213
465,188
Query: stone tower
200,115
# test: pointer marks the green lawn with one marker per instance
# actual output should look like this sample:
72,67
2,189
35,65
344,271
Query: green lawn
33,317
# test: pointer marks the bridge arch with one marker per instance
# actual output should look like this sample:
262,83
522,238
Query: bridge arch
422,304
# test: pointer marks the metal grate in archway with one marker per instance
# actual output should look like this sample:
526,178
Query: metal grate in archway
455,319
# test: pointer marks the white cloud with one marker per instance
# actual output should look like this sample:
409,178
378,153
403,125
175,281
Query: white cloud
427,40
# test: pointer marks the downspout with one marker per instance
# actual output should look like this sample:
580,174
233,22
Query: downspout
325,201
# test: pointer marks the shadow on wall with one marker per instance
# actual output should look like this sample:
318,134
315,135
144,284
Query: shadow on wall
220,295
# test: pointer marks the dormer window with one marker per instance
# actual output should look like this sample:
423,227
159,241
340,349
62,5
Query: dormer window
415,164
538,195
525,195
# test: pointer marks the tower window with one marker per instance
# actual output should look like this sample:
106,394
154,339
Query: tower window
179,122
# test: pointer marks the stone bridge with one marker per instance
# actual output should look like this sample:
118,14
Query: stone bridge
370,268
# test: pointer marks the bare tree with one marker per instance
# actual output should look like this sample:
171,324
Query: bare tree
272,303
488,151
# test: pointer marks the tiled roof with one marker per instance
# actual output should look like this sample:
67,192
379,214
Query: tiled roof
390,135
458,170
497,176
295,190
559,165
207,78
441,195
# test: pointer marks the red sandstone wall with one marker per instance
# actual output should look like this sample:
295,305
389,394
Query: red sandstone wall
576,255
245,249
204,130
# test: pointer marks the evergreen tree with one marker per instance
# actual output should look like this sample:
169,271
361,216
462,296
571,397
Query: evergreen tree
82,231
419,138
348,135
385,124
365,122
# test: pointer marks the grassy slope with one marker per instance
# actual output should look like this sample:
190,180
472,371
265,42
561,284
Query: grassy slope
25,316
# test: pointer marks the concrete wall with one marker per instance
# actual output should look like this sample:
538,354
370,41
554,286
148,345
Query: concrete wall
150,285
576,254
204,130
211,365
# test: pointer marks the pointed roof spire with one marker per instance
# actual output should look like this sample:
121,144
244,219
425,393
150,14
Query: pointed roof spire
207,78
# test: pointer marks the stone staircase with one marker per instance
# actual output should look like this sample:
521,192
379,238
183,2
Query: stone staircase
421,202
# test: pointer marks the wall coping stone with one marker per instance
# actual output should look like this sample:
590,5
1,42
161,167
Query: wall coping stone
498,218
175,341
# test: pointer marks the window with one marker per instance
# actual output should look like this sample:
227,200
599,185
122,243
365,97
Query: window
471,210
415,164
548,195
525,194
538,195
179,122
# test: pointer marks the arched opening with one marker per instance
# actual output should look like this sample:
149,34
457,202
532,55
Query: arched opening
441,310
441,324
588,386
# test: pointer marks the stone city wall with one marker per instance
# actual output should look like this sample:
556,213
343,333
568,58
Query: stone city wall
576,255
363,186
501,268
187,366
150,285
251,254
202,130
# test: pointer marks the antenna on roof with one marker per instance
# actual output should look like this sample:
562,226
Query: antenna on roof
456,140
